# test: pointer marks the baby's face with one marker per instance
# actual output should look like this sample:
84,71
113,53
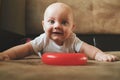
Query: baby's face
58,23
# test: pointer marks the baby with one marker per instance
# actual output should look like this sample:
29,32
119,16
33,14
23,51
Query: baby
58,25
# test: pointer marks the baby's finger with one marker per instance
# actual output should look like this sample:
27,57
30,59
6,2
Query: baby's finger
107,58
112,58
99,59
103,58
116,58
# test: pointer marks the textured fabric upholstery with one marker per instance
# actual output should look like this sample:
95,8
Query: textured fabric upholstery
91,16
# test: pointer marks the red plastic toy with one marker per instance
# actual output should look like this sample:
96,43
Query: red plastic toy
64,58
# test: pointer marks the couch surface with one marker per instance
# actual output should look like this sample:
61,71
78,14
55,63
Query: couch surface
32,68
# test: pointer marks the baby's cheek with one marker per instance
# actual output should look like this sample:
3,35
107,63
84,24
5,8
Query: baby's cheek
48,30
67,34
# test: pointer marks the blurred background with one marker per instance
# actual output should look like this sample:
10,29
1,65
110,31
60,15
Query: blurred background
97,21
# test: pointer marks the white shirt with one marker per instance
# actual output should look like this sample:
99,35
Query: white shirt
43,44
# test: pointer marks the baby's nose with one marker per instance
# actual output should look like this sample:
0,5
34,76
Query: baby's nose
57,25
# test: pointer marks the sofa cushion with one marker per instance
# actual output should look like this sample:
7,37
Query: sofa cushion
32,68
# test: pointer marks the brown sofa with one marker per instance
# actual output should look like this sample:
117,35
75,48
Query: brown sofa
97,23
91,16
32,68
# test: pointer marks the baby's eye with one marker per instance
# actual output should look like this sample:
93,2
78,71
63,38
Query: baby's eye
64,22
51,21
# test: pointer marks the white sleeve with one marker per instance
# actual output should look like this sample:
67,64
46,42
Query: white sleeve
38,43
78,43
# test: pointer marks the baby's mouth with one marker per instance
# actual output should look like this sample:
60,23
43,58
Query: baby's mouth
58,33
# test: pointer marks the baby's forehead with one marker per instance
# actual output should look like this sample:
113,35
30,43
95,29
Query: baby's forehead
58,7
60,15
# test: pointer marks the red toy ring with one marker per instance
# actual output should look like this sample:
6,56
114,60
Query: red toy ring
64,58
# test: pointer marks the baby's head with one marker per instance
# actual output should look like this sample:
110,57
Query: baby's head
58,22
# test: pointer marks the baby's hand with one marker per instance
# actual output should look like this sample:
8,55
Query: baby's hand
105,57
3,57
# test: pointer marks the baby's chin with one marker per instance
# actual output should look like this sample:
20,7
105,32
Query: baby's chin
58,39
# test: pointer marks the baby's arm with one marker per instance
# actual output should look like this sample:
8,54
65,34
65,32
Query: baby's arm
17,52
97,54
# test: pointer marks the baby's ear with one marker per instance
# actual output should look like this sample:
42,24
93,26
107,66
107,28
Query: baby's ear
73,27
42,22
43,25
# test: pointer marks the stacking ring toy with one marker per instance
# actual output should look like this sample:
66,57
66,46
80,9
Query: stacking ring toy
64,58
